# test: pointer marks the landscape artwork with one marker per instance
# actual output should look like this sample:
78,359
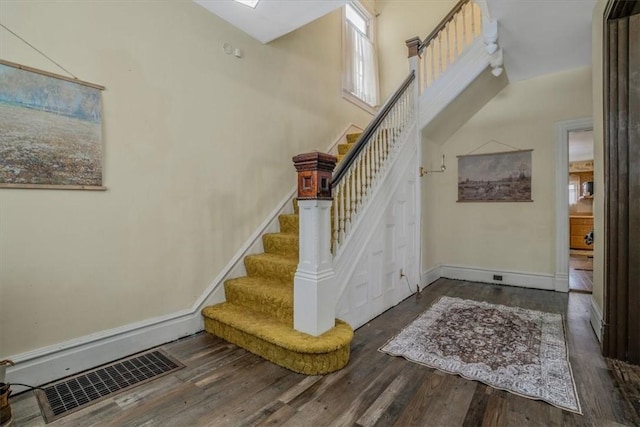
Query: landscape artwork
50,130
495,177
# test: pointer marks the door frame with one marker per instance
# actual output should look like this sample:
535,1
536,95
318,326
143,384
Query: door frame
563,128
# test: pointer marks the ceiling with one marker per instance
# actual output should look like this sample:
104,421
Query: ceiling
271,18
543,36
537,36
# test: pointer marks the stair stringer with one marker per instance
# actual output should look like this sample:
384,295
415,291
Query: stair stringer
471,63
385,240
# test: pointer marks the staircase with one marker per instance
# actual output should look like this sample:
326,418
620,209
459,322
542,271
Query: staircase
258,312
372,224
343,149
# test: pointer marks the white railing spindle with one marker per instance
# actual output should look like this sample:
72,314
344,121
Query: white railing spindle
359,178
448,42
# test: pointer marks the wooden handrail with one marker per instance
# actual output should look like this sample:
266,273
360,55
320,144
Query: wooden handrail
457,8
368,132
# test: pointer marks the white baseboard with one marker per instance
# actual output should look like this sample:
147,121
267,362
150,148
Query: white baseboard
561,282
429,276
60,360
512,278
57,361
596,319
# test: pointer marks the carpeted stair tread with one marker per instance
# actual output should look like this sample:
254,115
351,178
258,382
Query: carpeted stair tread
271,266
289,223
276,332
343,148
353,137
275,341
270,297
281,243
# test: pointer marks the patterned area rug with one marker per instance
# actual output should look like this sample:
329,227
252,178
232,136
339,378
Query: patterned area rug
509,348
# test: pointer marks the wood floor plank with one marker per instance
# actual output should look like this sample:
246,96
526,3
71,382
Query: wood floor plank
299,388
373,390
384,400
417,374
223,385
431,386
477,407
281,416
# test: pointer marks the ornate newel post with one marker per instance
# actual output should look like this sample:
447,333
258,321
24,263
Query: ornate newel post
413,47
314,284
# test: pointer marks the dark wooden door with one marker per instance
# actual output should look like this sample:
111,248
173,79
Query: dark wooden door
622,182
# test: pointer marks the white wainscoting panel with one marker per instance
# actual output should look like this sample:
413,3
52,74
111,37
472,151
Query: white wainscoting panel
384,241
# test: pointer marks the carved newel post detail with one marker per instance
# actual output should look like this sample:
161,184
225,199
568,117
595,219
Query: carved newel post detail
413,48
314,284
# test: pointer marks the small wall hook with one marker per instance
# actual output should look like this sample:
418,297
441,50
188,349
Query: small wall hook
443,168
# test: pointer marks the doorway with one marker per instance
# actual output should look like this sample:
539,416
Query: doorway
580,195
563,131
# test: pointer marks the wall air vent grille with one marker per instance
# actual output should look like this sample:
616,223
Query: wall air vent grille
79,391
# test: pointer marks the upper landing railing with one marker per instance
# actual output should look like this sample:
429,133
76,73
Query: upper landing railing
446,42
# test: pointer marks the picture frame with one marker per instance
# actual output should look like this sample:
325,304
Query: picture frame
50,130
495,177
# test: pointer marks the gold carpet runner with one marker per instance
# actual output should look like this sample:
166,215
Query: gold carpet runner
258,312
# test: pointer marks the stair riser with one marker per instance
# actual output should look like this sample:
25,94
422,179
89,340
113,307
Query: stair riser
281,310
282,245
303,363
270,270
289,224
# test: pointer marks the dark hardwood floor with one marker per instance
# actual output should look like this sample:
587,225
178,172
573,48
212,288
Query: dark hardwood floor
581,273
223,385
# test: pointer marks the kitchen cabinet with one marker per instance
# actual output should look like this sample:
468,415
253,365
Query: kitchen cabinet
579,226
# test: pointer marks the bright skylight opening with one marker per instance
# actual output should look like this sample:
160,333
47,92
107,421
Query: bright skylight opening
250,3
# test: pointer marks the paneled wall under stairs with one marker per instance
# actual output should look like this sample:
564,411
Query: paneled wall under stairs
384,241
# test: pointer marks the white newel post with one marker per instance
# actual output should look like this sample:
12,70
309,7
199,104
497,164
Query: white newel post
314,284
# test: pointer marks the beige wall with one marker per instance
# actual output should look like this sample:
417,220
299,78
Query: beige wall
398,21
598,146
506,236
198,148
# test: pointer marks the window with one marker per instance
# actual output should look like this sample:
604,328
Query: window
360,74
574,189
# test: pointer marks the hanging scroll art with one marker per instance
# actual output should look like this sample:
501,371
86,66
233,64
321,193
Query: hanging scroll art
50,130
495,177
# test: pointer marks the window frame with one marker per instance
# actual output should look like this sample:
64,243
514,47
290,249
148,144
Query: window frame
370,20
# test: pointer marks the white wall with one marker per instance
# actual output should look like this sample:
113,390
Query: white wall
198,148
517,237
397,22
598,150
